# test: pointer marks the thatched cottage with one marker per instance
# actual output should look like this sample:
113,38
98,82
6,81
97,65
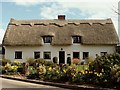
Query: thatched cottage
59,38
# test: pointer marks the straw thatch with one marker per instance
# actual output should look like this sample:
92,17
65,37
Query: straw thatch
30,32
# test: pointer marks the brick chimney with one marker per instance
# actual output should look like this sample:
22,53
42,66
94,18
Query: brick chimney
61,17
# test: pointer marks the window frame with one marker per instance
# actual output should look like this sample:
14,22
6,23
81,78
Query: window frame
84,56
103,53
76,39
47,39
46,52
18,56
76,55
35,52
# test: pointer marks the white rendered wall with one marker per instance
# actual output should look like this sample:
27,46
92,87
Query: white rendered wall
28,51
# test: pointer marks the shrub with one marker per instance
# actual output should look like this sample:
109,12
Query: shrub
49,63
78,78
16,62
5,61
115,74
89,60
105,62
52,74
55,60
76,61
32,73
108,66
40,61
31,61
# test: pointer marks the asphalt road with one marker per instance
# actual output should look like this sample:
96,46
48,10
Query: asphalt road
7,84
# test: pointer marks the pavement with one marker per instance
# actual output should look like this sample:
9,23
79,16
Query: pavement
15,83
8,84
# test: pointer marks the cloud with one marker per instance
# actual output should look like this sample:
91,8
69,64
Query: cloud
88,9
52,10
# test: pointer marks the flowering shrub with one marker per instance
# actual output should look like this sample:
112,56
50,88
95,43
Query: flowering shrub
52,73
5,61
115,74
7,67
106,68
103,71
41,70
14,68
16,62
76,61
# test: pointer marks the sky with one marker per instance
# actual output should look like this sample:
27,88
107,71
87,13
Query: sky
49,9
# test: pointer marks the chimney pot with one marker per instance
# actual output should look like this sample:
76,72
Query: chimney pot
61,17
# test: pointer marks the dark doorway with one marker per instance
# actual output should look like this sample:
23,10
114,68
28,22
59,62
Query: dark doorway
61,57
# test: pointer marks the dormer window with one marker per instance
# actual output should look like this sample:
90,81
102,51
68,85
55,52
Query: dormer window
47,39
76,39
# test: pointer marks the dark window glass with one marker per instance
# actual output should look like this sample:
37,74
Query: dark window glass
85,55
47,39
103,53
75,54
36,55
47,55
18,54
76,39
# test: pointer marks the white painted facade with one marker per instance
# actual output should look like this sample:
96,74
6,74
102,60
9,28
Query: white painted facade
0,52
28,51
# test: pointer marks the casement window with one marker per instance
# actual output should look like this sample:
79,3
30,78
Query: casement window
47,55
76,54
47,39
36,55
103,53
85,55
18,54
76,39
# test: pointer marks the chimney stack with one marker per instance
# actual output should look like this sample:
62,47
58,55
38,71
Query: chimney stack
61,17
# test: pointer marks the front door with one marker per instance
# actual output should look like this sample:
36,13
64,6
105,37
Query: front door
61,57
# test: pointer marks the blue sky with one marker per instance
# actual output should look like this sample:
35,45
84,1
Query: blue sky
40,9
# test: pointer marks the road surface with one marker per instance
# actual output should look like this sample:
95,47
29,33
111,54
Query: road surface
8,84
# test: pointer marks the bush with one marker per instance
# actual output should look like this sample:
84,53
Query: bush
5,61
16,62
108,66
105,62
32,73
115,74
40,61
49,63
31,61
76,61
55,60
89,60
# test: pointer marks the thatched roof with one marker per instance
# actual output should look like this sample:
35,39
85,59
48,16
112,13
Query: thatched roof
30,32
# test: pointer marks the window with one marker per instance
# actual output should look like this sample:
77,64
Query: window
85,55
36,55
103,53
47,39
47,55
18,54
76,39
75,54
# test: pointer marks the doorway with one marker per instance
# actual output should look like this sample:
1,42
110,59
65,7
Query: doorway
61,57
